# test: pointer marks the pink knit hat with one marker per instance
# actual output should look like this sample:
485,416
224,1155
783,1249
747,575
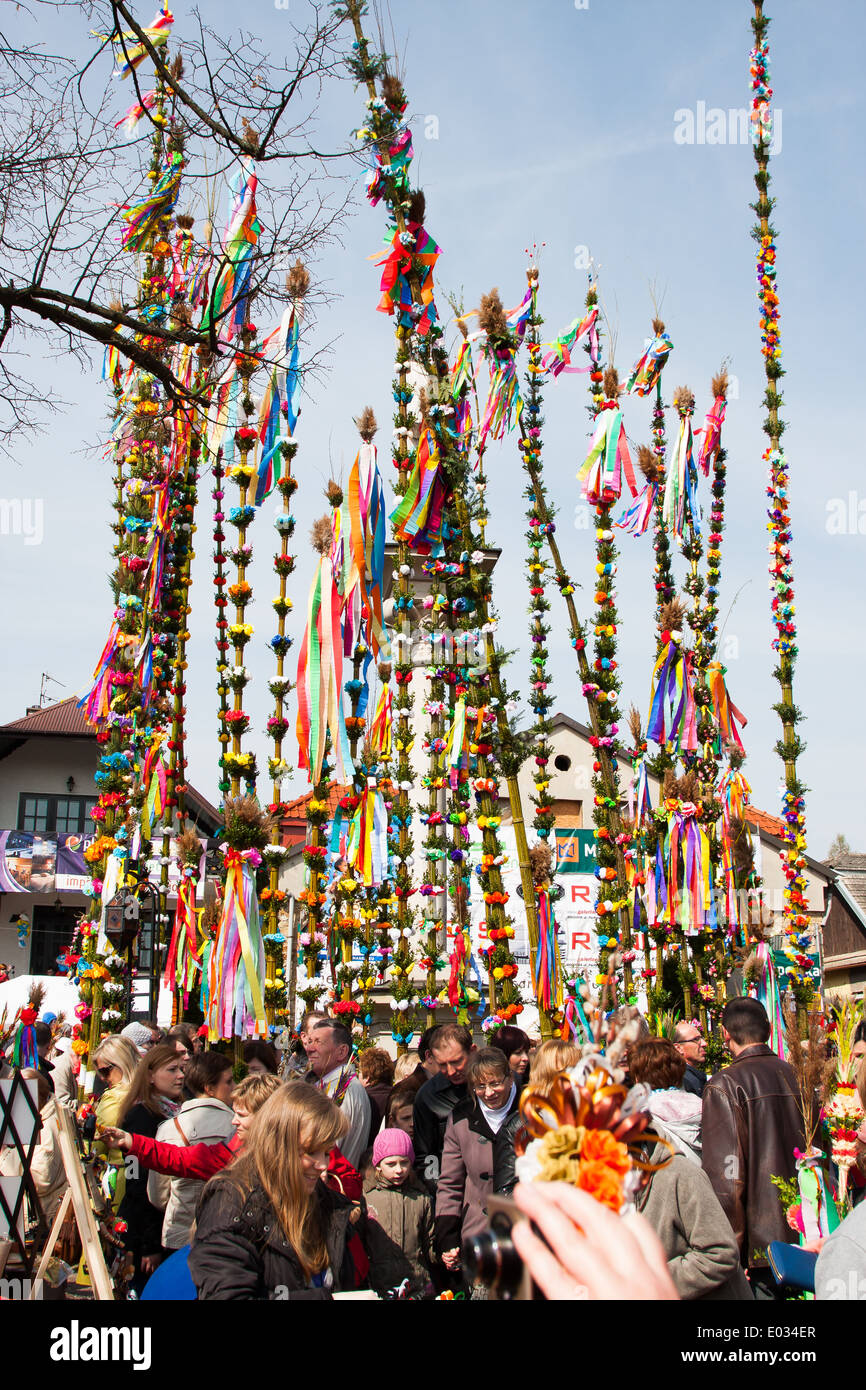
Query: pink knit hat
392,1143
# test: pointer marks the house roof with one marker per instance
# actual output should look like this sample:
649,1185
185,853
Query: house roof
773,825
65,720
850,870
297,809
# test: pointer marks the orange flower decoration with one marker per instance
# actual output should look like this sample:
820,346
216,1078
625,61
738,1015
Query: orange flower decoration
602,1183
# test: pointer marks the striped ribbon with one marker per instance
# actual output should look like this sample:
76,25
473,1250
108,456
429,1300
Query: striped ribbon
236,967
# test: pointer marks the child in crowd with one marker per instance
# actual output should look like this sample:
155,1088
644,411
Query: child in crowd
400,1218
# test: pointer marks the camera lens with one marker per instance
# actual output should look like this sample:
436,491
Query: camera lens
490,1258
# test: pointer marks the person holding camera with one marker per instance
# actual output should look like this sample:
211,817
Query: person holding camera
466,1179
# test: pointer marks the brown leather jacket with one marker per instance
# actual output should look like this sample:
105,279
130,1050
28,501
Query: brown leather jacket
751,1125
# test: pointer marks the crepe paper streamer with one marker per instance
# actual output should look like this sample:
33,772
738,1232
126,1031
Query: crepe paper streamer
457,744
547,979
575,1024
712,433
183,958
280,403
320,681
734,792
226,311
24,1051
381,727
368,839
143,217
672,717
153,777
726,712
417,519
767,993
638,516
680,500
394,165
457,960
690,900
112,880
131,57
561,349
462,375
226,418
819,1216
648,368
413,245
503,398
363,568
236,967
639,800
519,317
608,459
135,113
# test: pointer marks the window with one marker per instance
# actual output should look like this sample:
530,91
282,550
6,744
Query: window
63,814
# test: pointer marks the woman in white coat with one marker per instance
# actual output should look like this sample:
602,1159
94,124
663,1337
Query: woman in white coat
206,1119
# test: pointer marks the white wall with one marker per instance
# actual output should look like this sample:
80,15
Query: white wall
44,765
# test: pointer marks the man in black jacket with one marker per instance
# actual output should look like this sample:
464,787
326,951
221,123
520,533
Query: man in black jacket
752,1124
689,1041
452,1049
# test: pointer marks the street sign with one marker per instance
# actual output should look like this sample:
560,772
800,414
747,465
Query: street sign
575,851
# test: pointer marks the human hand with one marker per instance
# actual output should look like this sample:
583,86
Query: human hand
451,1258
114,1138
813,1246
598,1255
149,1263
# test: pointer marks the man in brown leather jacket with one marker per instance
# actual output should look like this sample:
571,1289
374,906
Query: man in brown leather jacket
752,1123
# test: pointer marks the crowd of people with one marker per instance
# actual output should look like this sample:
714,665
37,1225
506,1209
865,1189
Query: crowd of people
325,1172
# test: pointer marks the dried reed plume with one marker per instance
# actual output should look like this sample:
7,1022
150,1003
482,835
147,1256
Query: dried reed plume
176,68
298,280
741,844
366,424
423,404
634,726
719,386
322,535
649,464
185,221
611,383
384,669
685,788
491,315
334,493
658,326
672,615
417,207
188,847
684,400
541,864
392,89
813,1065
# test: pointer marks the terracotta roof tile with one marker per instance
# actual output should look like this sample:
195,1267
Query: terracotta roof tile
772,825
297,809
63,718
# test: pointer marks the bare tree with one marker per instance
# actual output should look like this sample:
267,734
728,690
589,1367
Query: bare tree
67,174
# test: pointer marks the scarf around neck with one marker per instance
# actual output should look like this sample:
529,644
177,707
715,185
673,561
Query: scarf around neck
496,1118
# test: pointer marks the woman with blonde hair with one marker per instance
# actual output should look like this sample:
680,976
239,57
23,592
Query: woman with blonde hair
549,1060
268,1226
116,1061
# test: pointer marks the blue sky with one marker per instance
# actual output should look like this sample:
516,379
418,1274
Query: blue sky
555,124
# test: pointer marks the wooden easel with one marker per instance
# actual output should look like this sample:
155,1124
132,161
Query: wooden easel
78,1195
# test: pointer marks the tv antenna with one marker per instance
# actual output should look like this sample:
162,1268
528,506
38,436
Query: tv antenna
43,694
